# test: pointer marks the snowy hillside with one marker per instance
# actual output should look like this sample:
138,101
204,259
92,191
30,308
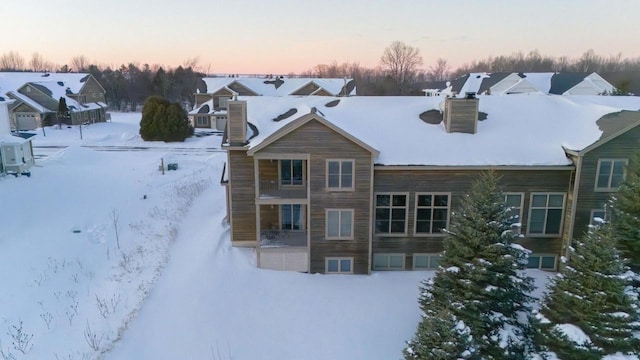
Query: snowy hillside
103,257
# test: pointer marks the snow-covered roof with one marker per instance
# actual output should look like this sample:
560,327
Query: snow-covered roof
545,82
12,81
520,130
25,99
267,86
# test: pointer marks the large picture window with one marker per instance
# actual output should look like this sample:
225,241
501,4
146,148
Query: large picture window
391,213
610,174
291,172
432,213
545,217
340,174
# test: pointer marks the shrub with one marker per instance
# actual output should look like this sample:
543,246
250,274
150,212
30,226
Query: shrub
163,120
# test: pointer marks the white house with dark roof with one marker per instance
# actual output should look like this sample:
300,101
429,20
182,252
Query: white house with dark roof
16,151
500,83
360,184
37,96
210,105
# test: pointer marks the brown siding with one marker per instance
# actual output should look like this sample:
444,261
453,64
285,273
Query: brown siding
458,182
621,147
237,122
269,217
92,90
268,170
323,143
461,115
242,191
201,99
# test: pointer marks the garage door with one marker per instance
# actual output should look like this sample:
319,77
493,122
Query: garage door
26,122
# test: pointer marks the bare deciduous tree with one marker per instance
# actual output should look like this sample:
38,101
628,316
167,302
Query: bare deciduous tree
79,63
401,62
11,61
440,71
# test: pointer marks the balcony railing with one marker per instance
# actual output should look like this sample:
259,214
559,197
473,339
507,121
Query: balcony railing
283,238
272,189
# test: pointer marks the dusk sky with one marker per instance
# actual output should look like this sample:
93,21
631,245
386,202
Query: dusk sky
260,36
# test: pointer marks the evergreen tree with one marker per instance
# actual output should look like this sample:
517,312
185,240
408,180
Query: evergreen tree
625,208
163,120
591,293
63,110
482,280
440,337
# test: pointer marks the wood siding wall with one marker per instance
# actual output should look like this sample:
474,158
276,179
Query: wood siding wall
458,182
201,99
461,115
323,143
237,121
93,91
622,147
242,192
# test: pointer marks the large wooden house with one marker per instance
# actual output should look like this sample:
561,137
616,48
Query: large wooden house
355,184
210,109
37,97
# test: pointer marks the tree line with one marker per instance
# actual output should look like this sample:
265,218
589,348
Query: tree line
127,86
400,71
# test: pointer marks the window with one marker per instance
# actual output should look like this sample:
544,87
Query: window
544,262
610,174
513,202
340,174
338,265
291,172
222,101
426,261
291,217
432,213
388,261
545,217
598,216
202,120
391,213
339,224
82,99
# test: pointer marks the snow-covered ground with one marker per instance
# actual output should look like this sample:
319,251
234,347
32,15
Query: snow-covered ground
166,284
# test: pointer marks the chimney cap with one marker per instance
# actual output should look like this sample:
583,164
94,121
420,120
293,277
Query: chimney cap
470,95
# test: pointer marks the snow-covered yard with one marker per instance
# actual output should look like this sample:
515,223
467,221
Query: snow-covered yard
102,256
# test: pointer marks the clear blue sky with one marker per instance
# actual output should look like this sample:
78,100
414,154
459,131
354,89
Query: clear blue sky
260,36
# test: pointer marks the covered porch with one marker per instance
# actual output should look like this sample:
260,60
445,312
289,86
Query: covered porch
283,237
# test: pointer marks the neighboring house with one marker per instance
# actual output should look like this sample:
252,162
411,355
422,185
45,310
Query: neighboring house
16,152
563,83
210,110
356,184
37,96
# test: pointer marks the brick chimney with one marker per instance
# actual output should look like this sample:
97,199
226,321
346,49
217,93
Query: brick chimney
237,122
461,114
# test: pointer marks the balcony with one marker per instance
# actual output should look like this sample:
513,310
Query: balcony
272,189
283,238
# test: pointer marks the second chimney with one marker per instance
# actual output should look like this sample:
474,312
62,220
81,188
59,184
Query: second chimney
461,114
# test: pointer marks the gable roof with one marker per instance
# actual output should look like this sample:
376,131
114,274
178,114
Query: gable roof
279,86
520,130
563,81
302,120
493,79
12,81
